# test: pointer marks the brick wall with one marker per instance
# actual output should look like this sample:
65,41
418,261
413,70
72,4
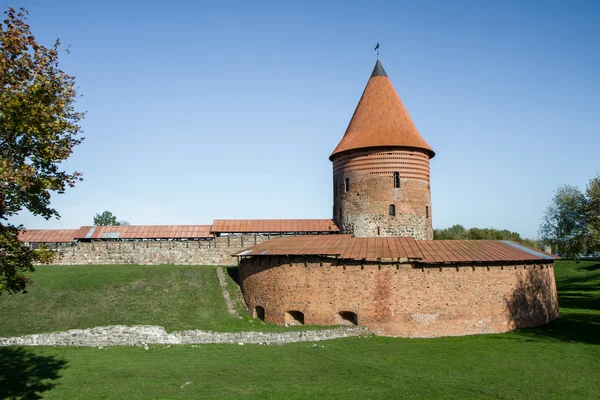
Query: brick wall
364,209
402,299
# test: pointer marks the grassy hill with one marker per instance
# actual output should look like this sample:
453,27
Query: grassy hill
68,297
557,361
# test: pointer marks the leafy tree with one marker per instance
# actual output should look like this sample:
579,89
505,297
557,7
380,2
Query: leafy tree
455,232
563,225
106,219
38,131
592,214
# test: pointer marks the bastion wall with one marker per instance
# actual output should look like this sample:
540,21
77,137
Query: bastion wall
405,300
364,190
216,251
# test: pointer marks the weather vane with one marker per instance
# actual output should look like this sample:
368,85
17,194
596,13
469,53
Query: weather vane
377,49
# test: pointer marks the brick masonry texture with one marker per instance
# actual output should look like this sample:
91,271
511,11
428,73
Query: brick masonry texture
216,251
363,210
406,300
142,335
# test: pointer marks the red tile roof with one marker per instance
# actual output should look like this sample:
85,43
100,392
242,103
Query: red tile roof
145,232
426,251
273,225
341,246
48,235
380,119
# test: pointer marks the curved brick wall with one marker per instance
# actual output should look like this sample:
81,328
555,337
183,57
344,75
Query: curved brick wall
364,210
399,299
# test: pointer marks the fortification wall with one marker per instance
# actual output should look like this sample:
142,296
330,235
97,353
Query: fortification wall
216,251
364,209
401,299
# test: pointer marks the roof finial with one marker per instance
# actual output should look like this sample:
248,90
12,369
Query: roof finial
377,50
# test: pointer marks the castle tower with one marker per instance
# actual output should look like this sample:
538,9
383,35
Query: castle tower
381,168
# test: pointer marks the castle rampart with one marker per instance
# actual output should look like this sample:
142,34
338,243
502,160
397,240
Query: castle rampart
214,251
401,299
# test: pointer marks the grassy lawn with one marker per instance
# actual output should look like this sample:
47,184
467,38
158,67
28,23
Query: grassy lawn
557,361
176,297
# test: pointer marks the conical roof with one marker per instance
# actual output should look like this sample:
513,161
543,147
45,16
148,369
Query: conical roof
380,119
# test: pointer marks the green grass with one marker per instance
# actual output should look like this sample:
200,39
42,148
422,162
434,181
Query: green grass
557,361
176,297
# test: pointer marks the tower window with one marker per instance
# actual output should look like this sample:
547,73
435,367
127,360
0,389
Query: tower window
334,188
426,211
396,179
347,184
392,209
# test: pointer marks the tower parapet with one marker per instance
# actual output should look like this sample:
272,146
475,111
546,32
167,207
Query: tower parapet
381,172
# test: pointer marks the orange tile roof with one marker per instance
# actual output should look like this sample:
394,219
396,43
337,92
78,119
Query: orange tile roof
48,235
145,232
380,119
425,251
273,225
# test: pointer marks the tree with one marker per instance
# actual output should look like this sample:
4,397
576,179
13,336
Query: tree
563,225
455,232
38,131
107,219
592,214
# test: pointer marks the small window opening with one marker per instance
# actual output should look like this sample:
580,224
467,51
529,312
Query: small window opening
396,179
347,318
294,317
334,188
259,312
426,211
347,184
378,231
392,210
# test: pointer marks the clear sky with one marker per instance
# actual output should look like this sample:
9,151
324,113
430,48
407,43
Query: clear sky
216,110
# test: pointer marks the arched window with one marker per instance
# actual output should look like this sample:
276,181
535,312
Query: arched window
259,312
294,317
392,209
396,179
347,184
347,318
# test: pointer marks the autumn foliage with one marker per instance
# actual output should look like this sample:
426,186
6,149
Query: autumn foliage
38,131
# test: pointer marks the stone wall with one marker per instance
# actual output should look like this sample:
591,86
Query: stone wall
364,209
408,300
216,251
143,335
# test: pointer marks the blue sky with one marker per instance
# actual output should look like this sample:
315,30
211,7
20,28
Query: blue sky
205,110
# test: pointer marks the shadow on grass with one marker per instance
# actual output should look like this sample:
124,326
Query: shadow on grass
234,274
593,267
571,327
25,375
581,301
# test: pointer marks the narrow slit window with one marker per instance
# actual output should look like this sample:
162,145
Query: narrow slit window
426,211
392,210
334,188
396,179
347,184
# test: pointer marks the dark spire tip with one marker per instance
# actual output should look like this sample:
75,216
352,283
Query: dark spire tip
378,70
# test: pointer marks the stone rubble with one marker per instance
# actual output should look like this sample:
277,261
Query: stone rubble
143,335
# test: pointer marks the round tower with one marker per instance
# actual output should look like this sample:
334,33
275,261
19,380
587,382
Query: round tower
381,168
